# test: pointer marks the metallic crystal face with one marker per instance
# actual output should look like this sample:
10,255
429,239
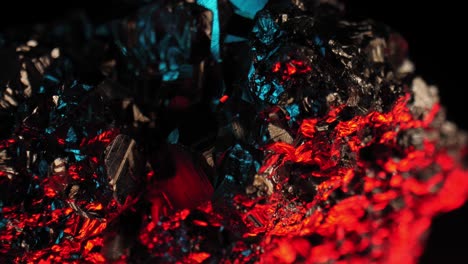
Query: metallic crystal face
124,168
298,60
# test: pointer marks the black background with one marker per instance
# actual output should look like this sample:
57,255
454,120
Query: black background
435,32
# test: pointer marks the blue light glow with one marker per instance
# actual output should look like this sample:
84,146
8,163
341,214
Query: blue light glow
50,130
246,253
86,87
232,38
265,29
170,76
173,137
215,32
248,9
318,41
76,153
51,78
71,136
293,111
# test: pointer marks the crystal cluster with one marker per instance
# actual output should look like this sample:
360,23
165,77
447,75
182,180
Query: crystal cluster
221,132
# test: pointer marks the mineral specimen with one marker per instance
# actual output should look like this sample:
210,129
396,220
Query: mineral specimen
172,136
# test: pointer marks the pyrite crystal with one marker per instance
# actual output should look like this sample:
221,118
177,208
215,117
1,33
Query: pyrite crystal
221,132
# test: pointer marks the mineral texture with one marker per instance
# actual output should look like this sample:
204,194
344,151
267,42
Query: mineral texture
221,132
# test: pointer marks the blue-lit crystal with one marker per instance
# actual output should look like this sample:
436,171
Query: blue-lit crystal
265,29
173,137
71,136
170,76
293,111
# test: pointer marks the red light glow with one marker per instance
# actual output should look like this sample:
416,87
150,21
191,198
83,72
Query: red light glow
370,206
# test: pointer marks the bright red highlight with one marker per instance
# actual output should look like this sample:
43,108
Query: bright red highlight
290,68
223,99
365,197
